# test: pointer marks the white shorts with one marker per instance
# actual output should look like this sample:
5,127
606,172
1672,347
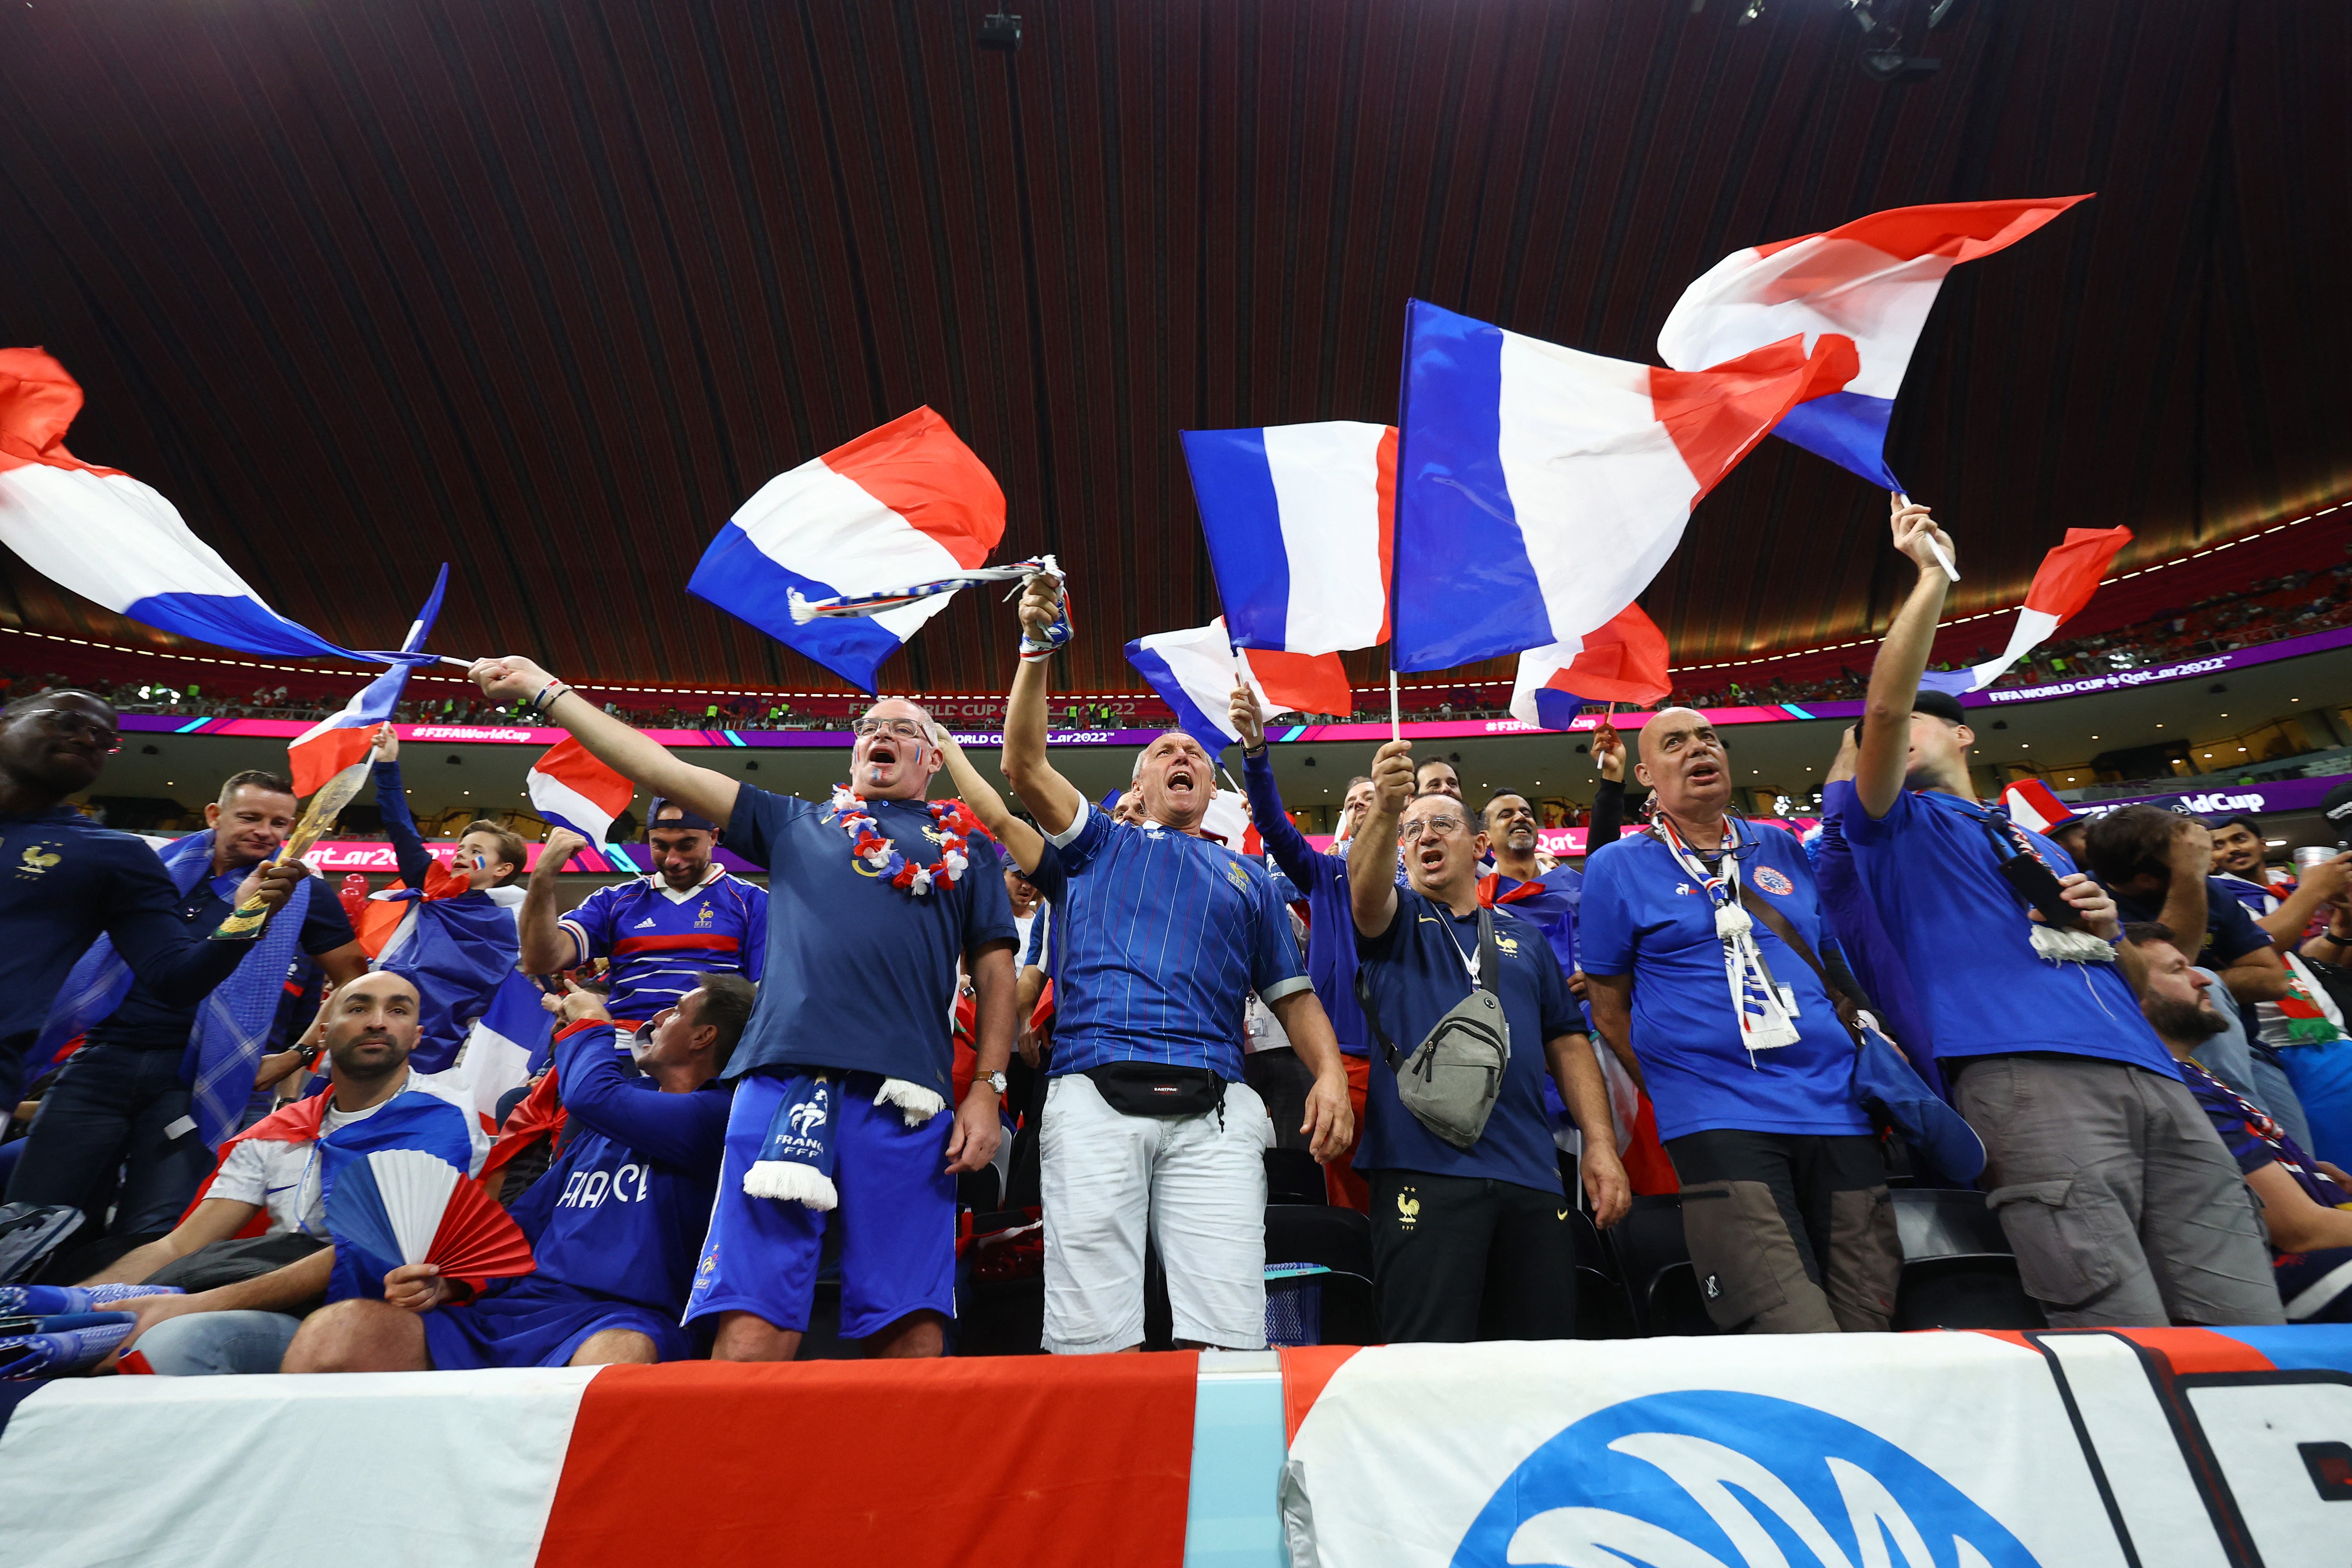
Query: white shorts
1200,1185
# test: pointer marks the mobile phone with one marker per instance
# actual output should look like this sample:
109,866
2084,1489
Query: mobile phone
2037,886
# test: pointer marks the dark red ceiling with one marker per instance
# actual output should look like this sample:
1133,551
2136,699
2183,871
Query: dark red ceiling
547,288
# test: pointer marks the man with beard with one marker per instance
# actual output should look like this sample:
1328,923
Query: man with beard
1149,1125
840,1114
2124,1209
1784,1191
2307,1208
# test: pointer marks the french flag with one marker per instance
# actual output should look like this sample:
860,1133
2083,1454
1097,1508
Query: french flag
571,788
1193,673
1623,661
507,1043
112,540
1299,520
1540,490
905,504
346,736
2031,804
1872,280
2065,581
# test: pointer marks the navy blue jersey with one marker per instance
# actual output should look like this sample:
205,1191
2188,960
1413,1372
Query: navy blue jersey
1161,937
621,1212
654,941
2230,932
860,976
1321,879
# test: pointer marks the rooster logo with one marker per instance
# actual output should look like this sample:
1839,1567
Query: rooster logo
1407,1208
808,1113
37,859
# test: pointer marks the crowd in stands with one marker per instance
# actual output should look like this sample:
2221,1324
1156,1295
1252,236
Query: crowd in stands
947,1041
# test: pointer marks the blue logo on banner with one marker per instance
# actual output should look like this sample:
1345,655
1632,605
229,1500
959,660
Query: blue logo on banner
1712,1480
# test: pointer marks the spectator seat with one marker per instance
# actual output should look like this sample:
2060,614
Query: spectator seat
1959,1272
1652,1261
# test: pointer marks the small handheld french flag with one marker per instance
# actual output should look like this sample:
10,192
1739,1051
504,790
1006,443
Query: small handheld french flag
344,737
571,788
906,504
2031,804
1194,672
1299,520
1625,661
2065,581
1872,280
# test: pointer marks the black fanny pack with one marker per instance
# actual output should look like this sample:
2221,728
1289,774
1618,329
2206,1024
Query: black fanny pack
1148,1088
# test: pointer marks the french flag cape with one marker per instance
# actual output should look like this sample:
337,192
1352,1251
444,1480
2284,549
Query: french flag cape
114,540
342,738
1872,280
1192,671
571,788
1540,490
510,1041
2065,581
1625,661
906,504
1301,520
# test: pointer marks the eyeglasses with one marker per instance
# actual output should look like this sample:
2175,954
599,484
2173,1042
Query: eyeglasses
73,722
1430,826
904,729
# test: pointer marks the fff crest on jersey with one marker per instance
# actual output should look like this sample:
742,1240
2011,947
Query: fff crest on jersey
1774,882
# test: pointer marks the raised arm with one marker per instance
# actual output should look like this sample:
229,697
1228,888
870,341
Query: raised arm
1372,852
2185,910
676,1129
2320,888
1021,841
408,848
1288,847
1885,752
547,947
1051,799
633,756
1609,799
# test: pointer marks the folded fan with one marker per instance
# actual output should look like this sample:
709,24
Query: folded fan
407,1205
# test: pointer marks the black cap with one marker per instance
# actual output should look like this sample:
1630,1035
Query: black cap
671,813
1941,705
2337,807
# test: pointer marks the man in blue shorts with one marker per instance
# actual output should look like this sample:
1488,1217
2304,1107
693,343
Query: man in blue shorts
2123,1207
614,1225
1162,935
840,1113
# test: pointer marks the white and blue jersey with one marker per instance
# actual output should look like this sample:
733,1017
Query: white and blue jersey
656,940
1160,938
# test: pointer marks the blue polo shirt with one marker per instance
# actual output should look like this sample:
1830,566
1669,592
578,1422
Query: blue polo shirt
860,976
1416,970
1321,879
1160,937
1853,919
656,941
1963,937
1643,915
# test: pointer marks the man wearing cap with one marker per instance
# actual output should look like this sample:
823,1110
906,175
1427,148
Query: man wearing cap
2123,1206
689,916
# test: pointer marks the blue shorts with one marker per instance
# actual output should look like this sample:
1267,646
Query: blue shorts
896,1218
540,1322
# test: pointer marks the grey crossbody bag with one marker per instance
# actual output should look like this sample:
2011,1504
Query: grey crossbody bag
1453,1077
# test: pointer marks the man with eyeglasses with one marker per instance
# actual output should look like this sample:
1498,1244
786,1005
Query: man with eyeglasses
1467,1244
844,1073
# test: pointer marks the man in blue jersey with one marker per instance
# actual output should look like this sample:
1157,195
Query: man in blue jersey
2123,1206
841,1081
1467,1243
1162,936
614,1225
1784,1192
688,915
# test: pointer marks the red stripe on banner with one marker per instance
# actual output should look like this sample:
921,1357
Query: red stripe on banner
2199,1349
1715,415
1028,1460
713,942
1309,682
314,762
2069,576
921,469
1386,483
1304,1374
37,404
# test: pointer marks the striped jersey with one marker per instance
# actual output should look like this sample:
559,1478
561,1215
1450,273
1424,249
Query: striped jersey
656,940
1159,939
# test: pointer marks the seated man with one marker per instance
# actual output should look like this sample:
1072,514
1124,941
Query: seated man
267,1184
615,1223
2305,1207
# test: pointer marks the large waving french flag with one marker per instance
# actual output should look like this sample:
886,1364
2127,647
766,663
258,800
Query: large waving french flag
114,540
1872,280
1194,672
1540,490
1299,520
2063,584
905,504
343,737
571,788
1623,661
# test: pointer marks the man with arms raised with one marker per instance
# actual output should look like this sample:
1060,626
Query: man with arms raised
1467,1244
1162,934
2123,1206
1784,1192
842,1078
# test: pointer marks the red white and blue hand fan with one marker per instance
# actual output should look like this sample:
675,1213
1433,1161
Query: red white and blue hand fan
398,1206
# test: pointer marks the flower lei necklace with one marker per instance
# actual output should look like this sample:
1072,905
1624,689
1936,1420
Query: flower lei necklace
869,843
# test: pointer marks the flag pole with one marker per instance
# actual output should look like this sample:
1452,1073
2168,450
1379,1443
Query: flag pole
1396,724
1943,557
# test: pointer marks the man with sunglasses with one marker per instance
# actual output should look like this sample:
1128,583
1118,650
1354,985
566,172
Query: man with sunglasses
65,881
842,1079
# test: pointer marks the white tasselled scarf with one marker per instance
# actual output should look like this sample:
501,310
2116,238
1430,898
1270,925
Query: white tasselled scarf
1767,1014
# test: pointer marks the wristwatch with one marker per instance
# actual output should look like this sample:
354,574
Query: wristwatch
994,1080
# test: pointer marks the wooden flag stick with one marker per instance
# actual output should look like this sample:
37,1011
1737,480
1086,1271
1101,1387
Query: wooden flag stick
1943,557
